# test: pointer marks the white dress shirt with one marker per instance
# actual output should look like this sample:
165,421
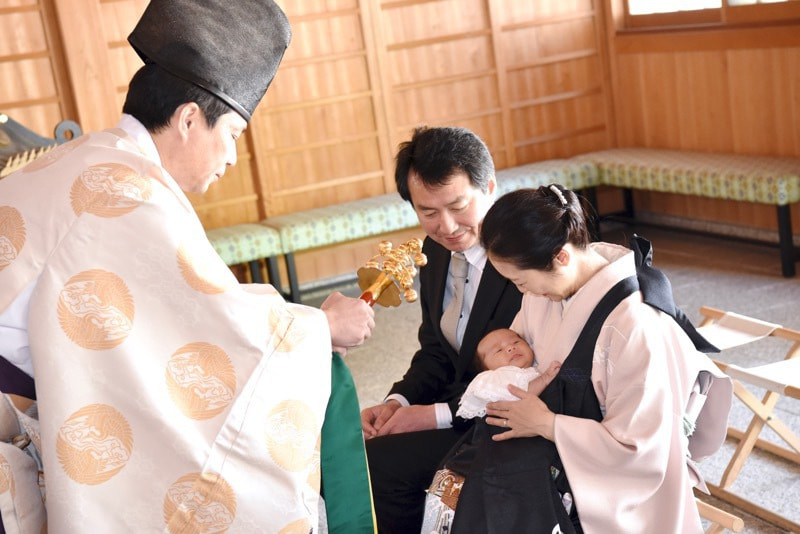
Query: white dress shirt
476,258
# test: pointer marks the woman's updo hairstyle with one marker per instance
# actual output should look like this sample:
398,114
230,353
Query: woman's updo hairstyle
528,227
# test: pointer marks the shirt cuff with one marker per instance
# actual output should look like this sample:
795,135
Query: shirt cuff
444,417
399,398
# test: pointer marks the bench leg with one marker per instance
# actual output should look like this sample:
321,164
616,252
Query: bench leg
294,286
255,272
274,273
627,195
786,241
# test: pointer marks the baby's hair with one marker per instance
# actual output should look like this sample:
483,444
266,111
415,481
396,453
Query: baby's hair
479,361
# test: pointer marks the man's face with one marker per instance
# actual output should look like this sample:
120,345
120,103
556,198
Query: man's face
207,152
451,213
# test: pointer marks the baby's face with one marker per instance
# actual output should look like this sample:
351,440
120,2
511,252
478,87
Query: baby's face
504,347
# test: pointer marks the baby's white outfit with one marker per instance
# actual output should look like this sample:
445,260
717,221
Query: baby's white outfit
491,386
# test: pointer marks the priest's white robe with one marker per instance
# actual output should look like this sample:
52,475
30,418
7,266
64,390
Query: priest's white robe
171,398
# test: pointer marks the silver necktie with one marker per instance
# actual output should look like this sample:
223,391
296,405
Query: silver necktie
449,323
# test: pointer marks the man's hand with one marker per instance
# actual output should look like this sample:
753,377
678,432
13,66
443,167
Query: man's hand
528,416
374,417
351,321
392,418
410,419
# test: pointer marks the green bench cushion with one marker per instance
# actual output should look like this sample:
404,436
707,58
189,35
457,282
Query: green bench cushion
767,180
573,174
342,222
242,243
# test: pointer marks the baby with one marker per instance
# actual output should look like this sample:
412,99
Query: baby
506,359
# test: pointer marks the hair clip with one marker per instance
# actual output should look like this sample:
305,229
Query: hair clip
559,194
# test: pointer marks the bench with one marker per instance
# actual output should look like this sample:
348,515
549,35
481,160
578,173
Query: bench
765,180
367,217
248,244
338,223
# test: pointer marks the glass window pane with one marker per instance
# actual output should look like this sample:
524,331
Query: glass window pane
751,2
643,7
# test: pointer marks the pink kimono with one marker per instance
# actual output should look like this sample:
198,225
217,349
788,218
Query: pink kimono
632,471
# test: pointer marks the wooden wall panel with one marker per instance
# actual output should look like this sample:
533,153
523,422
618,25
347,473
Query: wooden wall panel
30,89
712,97
767,117
119,17
439,68
735,90
358,76
557,97
317,135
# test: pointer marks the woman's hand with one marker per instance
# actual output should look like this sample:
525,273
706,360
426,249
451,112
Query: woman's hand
528,416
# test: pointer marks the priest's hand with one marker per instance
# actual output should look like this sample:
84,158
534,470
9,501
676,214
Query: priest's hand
351,321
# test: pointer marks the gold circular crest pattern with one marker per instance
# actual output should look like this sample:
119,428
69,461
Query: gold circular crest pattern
6,477
202,272
109,190
291,434
12,235
199,503
94,444
201,380
52,156
301,526
95,309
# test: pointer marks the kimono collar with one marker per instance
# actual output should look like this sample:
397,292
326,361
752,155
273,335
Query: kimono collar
136,130
137,133
620,265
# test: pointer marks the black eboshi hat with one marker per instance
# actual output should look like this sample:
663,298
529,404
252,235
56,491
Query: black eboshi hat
230,48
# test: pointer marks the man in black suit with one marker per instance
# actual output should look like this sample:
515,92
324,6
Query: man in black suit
448,176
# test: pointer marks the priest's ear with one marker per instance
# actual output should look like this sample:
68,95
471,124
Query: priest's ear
188,116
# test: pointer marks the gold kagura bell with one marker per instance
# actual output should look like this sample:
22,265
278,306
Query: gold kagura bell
382,277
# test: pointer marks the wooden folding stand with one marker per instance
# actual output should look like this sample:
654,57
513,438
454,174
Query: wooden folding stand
720,519
726,330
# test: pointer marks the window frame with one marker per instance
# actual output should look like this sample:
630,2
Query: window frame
715,18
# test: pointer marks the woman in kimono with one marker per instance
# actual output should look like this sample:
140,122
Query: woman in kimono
613,420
